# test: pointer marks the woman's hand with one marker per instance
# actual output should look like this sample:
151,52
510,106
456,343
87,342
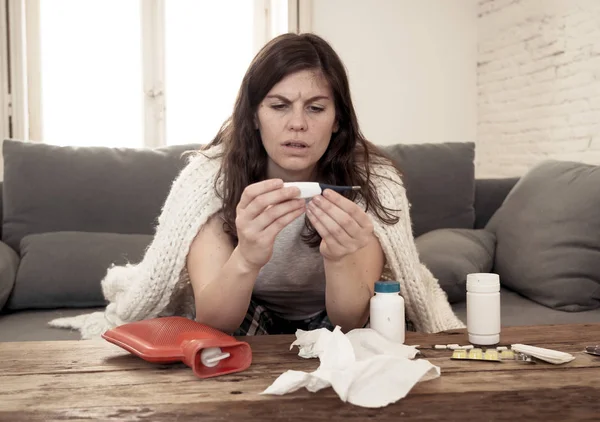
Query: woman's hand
344,226
265,208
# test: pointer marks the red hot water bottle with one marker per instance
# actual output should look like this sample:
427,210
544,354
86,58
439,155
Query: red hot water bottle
208,351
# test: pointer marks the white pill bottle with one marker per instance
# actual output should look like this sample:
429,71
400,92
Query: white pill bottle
483,308
387,311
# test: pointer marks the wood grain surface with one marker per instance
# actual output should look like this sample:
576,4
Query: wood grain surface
95,380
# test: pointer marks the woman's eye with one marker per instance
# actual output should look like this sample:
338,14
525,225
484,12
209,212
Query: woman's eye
278,106
315,109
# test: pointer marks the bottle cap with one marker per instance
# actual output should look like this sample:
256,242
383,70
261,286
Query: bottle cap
483,283
211,356
387,287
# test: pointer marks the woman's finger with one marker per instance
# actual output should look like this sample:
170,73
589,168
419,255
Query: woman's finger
333,248
341,217
267,200
352,209
275,212
256,189
329,228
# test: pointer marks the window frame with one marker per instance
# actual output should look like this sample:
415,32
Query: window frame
4,88
153,71
15,97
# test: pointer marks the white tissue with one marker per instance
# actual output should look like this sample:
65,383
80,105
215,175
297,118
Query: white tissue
362,367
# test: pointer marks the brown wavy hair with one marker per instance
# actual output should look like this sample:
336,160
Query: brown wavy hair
244,159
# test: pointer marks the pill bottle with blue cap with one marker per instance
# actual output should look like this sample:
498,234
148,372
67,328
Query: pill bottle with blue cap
387,311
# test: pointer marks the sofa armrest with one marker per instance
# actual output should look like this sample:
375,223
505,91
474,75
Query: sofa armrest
9,262
489,195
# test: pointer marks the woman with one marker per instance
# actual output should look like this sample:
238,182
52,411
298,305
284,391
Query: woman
238,251
293,121
269,262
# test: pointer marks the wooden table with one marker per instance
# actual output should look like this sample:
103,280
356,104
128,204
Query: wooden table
95,380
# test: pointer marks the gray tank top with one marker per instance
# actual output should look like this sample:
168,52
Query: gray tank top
292,283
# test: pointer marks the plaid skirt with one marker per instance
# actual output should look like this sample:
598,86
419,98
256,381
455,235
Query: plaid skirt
261,321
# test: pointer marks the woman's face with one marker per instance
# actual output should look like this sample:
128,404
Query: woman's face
296,120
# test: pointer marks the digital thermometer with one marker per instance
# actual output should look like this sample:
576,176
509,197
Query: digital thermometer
310,189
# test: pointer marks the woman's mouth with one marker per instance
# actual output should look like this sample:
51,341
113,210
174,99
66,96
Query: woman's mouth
295,144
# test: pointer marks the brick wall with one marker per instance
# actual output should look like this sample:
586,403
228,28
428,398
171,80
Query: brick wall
538,84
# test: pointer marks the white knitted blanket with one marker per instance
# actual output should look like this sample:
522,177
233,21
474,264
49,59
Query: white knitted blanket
159,285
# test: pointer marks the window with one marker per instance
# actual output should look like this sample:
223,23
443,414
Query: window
208,47
130,74
91,72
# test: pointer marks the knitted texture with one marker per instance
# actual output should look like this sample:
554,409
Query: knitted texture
159,284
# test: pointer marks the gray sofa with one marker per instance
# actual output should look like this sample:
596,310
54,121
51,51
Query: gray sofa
70,213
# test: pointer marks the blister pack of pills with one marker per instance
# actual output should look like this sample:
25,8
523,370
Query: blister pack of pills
489,355
497,354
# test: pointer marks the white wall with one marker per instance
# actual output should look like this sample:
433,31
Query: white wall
411,64
539,84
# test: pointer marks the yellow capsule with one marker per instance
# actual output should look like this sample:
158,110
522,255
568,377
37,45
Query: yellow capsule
459,354
507,355
491,354
475,353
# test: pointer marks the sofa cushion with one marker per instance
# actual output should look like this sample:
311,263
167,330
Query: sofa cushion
64,269
452,254
96,189
440,183
548,236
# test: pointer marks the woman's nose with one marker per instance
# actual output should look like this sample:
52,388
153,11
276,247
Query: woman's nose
298,121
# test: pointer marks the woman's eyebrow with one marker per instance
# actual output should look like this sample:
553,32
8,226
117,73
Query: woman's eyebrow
311,99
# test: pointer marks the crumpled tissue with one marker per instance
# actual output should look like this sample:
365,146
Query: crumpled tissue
362,367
